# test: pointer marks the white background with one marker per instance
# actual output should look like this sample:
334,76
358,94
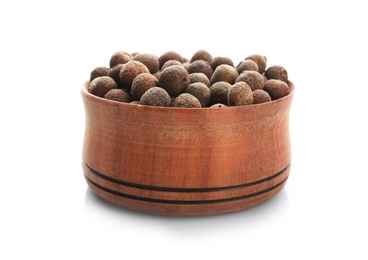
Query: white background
48,49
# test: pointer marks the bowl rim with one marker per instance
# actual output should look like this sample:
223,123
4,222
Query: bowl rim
84,91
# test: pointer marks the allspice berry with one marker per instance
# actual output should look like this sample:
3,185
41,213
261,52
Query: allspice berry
218,92
277,72
101,85
185,60
186,100
119,95
120,57
201,66
240,94
225,73
155,96
260,96
114,74
170,63
150,60
247,65
186,65
172,101
260,60
252,78
141,84
200,91
170,55
276,88
199,77
217,61
202,55
99,72
218,105
174,79
135,102
129,71
157,74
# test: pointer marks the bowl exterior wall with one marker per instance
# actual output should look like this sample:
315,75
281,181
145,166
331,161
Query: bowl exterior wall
179,161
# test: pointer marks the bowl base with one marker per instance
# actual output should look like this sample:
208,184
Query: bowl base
185,202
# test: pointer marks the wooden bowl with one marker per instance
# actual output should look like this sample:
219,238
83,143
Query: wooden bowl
186,161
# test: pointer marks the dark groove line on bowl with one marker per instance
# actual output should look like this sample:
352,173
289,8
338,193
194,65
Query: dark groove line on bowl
184,202
168,189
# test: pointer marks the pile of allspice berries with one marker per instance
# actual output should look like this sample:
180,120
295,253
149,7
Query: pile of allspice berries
171,80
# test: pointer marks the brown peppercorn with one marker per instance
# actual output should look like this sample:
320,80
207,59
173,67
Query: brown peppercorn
260,96
114,74
172,101
276,88
120,57
200,91
155,96
260,60
141,84
119,95
217,61
129,71
186,65
170,55
174,79
264,78
218,105
201,66
101,85
252,78
170,63
150,60
202,55
219,92
135,102
277,72
99,72
186,100
157,74
247,65
199,77
240,94
225,73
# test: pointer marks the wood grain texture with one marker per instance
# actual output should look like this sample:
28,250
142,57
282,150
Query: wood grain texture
180,161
